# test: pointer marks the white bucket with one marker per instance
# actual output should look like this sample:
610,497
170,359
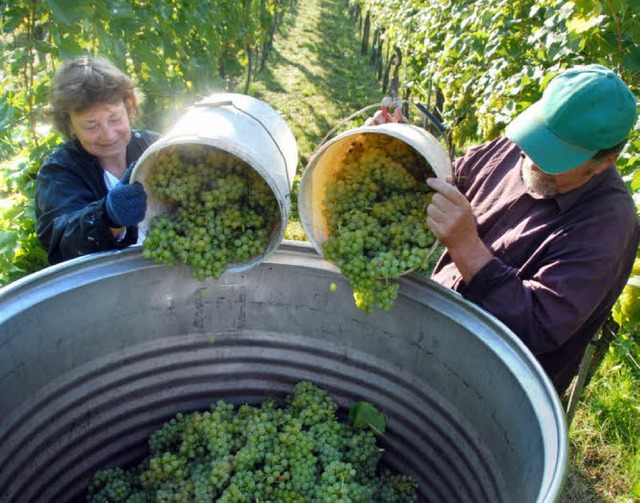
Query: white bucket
245,127
327,160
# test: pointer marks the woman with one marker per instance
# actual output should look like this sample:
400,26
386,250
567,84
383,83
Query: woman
84,201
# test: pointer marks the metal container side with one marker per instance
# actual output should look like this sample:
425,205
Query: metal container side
97,352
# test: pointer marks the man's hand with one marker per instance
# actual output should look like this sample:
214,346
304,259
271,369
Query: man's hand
383,117
450,218
449,215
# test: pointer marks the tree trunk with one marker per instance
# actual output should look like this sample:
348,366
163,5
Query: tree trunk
365,35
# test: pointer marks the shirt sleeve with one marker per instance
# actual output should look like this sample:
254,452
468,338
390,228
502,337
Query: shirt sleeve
546,309
71,220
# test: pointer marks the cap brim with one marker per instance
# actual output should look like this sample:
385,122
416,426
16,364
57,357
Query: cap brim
547,150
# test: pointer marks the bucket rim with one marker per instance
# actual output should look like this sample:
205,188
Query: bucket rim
395,130
156,207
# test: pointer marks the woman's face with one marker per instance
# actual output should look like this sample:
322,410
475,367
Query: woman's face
103,129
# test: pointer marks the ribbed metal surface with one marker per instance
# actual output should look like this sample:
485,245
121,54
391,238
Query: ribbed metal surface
97,353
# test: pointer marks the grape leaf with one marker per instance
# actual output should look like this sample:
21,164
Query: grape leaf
69,11
363,415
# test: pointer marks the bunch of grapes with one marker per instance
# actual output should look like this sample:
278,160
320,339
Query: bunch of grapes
299,452
375,211
223,211
627,307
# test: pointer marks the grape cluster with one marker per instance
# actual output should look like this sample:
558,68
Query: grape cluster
375,211
223,211
627,307
299,452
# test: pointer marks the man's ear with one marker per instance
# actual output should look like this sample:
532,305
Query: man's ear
605,163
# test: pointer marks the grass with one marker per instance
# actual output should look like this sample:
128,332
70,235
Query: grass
315,79
605,434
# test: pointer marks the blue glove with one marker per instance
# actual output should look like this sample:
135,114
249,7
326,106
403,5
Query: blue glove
126,203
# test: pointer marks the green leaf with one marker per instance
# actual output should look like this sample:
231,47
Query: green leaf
365,415
632,59
583,24
13,17
8,242
69,46
69,11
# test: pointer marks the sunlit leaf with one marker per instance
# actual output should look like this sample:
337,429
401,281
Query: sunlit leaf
584,24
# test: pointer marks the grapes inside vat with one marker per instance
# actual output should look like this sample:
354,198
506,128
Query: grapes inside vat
297,451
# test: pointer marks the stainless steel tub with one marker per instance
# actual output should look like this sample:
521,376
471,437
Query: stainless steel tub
97,352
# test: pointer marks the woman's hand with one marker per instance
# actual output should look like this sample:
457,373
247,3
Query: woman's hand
126,203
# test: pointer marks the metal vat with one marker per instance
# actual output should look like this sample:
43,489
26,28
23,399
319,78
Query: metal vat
97,352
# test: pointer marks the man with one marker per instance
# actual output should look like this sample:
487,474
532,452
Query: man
539,228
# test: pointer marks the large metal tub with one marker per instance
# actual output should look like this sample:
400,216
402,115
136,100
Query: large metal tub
97,352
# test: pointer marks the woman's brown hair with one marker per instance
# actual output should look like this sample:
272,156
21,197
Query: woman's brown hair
85,81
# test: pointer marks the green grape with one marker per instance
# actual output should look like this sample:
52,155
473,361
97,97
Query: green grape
223,211
298,452
111,485
375,211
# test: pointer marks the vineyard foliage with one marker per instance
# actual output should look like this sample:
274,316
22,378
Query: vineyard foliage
175,51
475,63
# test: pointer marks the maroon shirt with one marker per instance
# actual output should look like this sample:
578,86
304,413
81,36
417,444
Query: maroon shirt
559,263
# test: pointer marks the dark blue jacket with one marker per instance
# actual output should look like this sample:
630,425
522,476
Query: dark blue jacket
71,219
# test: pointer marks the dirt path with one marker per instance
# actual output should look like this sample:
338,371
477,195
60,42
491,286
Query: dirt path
315,76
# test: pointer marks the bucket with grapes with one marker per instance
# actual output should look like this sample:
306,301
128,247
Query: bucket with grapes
362,203
218,186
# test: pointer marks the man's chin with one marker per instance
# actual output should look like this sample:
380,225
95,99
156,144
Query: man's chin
539,182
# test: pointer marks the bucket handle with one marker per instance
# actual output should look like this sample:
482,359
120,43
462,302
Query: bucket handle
223,103
423,109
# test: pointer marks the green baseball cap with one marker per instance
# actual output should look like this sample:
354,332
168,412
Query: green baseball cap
582,111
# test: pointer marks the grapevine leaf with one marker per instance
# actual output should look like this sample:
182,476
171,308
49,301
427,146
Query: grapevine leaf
364,414
632,58
68,11
8,242
584,24
70,46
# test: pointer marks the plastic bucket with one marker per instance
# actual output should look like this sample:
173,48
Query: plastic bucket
99,351
245,127
326,161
